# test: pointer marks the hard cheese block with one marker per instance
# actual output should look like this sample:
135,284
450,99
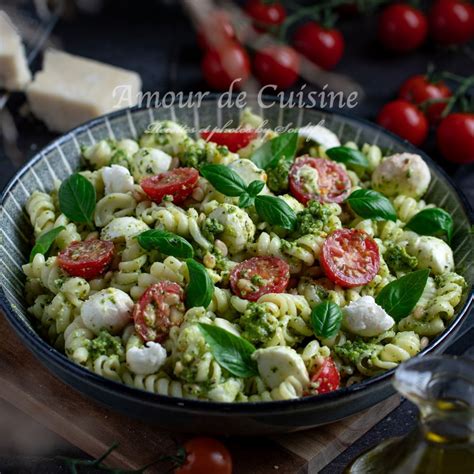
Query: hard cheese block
71,90
14,71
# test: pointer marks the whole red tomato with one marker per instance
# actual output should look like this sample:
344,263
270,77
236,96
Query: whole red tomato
277,65
455,137
419,89
404,119
323,46
266,14
451,21
215,29
402,28
222,67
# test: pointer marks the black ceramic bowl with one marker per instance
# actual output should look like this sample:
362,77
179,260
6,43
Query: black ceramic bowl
58,160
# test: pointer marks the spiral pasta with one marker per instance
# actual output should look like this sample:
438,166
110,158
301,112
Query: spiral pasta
40,208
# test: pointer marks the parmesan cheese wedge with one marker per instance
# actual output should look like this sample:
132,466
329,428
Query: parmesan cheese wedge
71,90
14,71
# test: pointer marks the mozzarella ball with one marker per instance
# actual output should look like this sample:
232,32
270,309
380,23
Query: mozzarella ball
226,392
117,179
403,173
432,253
248,171
149,162
109,309
129,147
166,135
123,228
146,360
320,135
292,202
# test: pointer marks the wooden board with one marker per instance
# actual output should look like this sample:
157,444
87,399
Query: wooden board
27,385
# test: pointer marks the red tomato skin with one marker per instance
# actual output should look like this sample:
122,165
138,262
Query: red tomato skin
402,28
404,119
233,140
205,456
418,89
277,65
451,21
323,46
352,238
327,377
221,68
266,15
455,137
273,267
185,179
221,28
86,267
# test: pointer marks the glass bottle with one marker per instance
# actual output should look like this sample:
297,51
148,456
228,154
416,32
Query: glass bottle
442,387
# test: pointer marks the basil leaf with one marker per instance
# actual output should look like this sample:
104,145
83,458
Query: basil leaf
400,296
44,241
166,242
268,155
224,179
255,187
77,199
370,204
200,289
245,200
326,319
275,211
348,156
432,221
231,352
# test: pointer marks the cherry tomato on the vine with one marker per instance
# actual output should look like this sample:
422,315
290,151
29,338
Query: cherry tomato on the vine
278,65
266,14
326,378
323,46
404,119
402,28
455,136
216,28
452,21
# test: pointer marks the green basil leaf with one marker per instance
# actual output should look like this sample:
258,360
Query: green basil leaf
255,187
231,352
200,289
166,242
224,179
370,204
326,319
275,211
77,199
245,200
44,241
348,156
399,297
432,221
268,155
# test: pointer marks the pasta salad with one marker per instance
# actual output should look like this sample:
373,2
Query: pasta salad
241,266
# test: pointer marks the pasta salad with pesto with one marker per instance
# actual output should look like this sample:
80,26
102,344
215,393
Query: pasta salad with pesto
241,266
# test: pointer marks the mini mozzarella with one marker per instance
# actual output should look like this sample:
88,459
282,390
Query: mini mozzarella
123,228
227,326
109,309
248,171
128,146
149,162
276,364
117,179
292,202
146,360
366,318
320,135
403,173
432,253
225,392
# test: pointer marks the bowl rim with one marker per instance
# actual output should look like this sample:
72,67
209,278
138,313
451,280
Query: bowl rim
43,350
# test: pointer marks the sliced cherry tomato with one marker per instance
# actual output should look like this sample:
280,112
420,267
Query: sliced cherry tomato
205,456
319,179
277,65
258,276
222,67
266,14
323,46
233,139
178,183
87,259
216,29
402,28
350,257
455,136
419,89
157,310
452,21
325,379
404,119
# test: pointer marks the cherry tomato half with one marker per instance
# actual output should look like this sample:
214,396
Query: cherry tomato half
319,179
215,29
178,183
258,276
419,89
233,139
87,259
205,456
266,14
323,46
325,379
451,21
402,28
350,257
277,65
157,310
455,136
404,119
